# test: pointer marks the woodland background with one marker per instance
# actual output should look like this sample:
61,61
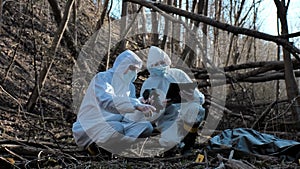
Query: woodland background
41,41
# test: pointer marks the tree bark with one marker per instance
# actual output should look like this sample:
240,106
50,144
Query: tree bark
154,20
67,35
102,17
233,48
176,31
217,53
1,3
109,40
123,25
56,11
167,29
99,6
144,20
204,38
75,22
290,80
191,57
188,54
52,52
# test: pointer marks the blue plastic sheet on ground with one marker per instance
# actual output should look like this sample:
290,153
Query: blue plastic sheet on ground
254,142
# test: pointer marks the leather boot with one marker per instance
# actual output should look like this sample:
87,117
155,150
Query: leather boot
95,150
190,139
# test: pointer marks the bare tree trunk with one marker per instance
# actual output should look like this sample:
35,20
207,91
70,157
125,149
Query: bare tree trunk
52,52
154,19
103,14
67,35
144,29
109,39
56,11
191,57
176,31
187,9
75,22
187,20
1,3
185,37
166,29
277,82
204,38
249,46
123,26
194,10
278,59
254,27
132,13
217,53
78,4
233,49
188,53
99,6
290,80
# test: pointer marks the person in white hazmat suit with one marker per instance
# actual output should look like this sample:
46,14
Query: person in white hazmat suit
177,120
110,95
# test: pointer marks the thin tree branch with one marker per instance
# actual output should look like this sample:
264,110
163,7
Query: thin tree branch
291,35
109,40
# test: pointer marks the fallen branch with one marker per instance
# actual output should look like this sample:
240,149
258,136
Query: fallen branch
235,79
276,65
232,163
13,153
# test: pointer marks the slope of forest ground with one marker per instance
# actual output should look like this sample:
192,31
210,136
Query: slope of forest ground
42,138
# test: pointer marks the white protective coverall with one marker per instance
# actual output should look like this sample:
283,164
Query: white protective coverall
109,96
161,75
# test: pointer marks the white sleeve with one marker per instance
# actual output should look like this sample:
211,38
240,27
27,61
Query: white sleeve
198,94
185,78
110,102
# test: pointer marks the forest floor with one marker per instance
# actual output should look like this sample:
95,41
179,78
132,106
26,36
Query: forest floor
43,137
34,141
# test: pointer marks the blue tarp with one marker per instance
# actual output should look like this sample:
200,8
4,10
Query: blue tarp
251,141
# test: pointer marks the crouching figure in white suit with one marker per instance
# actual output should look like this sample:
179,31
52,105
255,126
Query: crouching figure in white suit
178,120
110,95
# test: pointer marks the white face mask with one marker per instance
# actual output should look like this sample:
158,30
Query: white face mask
159,70
130,76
